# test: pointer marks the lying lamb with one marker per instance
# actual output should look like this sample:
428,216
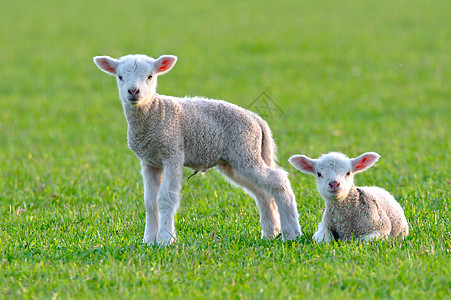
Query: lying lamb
352,212
167,133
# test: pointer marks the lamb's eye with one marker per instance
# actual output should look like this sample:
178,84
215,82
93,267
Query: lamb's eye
120,77
319,174
349,173
149,77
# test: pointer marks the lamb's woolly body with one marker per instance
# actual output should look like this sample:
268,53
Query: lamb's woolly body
352,212
365,210
167,133
208,132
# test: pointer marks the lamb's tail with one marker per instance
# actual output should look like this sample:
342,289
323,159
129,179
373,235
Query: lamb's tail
269,150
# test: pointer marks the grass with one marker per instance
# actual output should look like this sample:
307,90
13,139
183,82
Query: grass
348,76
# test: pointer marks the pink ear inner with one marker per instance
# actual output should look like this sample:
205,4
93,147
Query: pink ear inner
106,65
362,164
305,165
164,65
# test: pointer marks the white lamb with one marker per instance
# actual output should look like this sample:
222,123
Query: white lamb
351,212
167,133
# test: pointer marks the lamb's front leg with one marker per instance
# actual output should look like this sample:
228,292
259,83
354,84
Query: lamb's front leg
168,201
152,181
323,234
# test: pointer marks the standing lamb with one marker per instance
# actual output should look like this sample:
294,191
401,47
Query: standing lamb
351,212
168,133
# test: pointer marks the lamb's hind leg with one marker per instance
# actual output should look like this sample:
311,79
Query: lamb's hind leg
276,182
152,182
380,228
168,201
269,217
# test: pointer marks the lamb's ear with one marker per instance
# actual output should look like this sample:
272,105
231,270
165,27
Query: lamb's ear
303,163
364,161
164,63
106,64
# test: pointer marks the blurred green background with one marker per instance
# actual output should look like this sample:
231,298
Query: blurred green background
350,76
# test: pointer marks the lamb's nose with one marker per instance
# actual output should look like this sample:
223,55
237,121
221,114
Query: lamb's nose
334,184
133,92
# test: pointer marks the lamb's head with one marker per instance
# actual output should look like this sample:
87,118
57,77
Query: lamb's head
136,75
334,171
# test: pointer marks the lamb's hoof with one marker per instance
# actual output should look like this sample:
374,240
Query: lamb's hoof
270,235
149,241
319,238
165,243
322,236
165,239
291,236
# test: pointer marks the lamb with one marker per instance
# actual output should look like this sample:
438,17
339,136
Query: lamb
362,213
167,133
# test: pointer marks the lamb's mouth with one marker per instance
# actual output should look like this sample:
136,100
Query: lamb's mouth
133,101
334,192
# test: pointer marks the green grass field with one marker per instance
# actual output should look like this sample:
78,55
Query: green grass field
350,76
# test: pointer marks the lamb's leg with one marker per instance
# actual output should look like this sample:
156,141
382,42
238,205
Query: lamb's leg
152,182
323,233
372,236
269,216
381,228
276,183
168,201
